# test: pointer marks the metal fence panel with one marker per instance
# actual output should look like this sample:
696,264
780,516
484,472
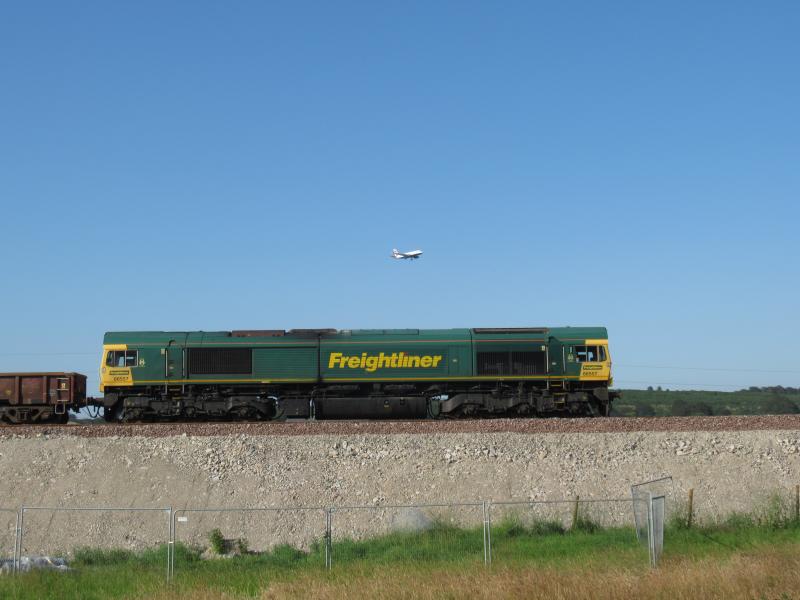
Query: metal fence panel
52,531
297,533
658,505
517,527
564,514
431,532
318,536
641,515
642,493
9,528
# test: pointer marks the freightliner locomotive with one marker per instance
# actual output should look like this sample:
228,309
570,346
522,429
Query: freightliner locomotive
352,374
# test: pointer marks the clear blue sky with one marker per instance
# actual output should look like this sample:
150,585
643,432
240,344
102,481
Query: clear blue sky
250,165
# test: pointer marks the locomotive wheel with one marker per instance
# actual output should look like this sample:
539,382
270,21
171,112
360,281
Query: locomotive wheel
244,413
598,408
112,413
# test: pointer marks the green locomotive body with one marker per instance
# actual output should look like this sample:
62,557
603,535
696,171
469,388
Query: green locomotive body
327,373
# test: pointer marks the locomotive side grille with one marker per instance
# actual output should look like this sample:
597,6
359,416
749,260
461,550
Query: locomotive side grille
220,361
511,363
493,363
528,363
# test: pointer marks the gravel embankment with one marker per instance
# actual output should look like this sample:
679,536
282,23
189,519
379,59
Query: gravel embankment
610,425
732,463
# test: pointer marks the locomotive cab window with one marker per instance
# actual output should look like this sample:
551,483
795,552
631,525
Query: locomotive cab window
590,353
122,358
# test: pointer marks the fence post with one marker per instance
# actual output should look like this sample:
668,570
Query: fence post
485,535
690,516
575,512
170,544
20,535
174,543
174,540
651,541
486,557
328,538
15,566
489,529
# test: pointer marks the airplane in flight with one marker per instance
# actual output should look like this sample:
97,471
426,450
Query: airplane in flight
414,254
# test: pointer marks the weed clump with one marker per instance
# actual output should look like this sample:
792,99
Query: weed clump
91,557
679,517
513,527
217,542
286,554
221,546
775,513
586,525
101,557
242,546
546,527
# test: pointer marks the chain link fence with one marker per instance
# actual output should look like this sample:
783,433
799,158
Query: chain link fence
9,529
655,540
650,513
550,526
327,537
106,534
323,538
409,533
641,493
290,534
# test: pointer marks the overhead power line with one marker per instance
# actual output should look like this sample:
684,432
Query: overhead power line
697,385
49,353
616,364
727,369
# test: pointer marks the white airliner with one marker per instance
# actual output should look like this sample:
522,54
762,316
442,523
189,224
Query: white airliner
414,254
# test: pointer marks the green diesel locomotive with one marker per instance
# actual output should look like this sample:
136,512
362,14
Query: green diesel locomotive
356,374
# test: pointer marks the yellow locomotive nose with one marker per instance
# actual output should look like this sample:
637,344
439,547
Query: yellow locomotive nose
595,360
115,366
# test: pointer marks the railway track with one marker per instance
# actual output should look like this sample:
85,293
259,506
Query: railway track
420,427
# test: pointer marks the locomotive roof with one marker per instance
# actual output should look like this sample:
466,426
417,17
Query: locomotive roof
273,335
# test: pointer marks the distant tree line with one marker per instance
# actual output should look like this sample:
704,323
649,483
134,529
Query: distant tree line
754,400
774,405
768,389
773,389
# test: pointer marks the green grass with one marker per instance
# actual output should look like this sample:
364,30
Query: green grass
441,542
123,574
722,540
